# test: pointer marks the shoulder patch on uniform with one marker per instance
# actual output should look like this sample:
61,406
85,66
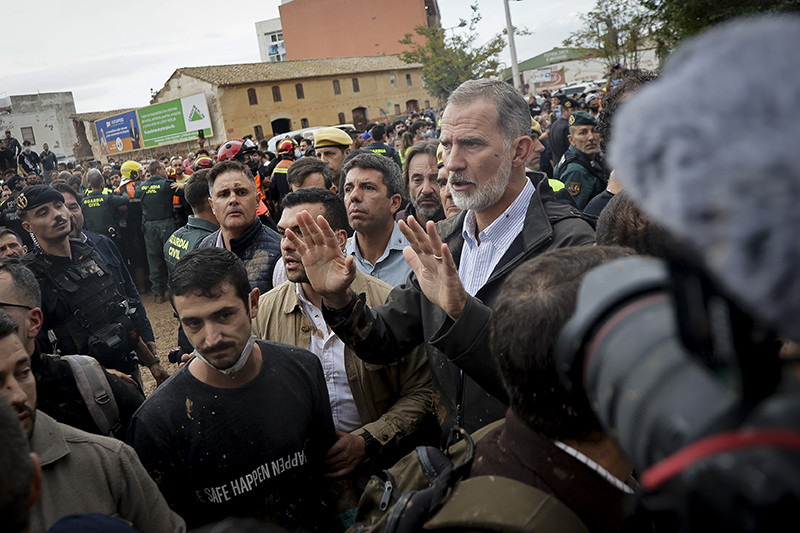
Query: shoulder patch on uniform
574,188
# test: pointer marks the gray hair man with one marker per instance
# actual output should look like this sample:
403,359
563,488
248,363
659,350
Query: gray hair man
420,175
459,264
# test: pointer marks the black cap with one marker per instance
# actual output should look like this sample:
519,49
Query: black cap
13,180
33,196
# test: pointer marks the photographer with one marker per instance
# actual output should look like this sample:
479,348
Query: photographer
680,356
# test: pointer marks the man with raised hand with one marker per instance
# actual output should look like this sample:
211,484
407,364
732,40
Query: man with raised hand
505,221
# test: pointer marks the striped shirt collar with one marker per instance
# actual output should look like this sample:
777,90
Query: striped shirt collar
478,260
605,474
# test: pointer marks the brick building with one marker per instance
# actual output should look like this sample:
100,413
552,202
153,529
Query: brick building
265,99
312,29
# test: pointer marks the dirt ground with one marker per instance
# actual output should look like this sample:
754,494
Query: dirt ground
165,327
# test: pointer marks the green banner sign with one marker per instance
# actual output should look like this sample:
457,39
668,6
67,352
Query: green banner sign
175,121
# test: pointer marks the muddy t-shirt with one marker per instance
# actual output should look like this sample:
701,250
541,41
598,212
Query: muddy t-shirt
253,451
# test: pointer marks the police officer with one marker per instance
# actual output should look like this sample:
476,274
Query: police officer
158,223
379,146
200,224
8,210
100,208
83,310
332,145
582,177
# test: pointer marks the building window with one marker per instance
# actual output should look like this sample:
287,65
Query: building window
298,88
259,132
337,89
276,48
393,81
396,109
27,134
341,118
356,88
276,94
251,95
408,80
303,122
427,104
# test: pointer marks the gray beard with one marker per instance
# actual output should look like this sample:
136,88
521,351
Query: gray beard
484,195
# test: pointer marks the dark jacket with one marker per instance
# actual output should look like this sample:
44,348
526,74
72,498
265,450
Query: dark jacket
383,334
515,451
259,248
119,271
81,299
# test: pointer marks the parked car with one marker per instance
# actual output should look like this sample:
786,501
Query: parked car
578,88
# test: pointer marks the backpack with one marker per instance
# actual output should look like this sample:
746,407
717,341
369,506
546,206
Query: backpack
96,393
426,490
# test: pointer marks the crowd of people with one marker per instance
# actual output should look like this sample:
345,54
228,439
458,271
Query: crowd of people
352,301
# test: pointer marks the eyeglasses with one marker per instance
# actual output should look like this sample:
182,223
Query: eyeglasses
4,304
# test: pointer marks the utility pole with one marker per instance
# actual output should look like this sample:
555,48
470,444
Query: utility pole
513,48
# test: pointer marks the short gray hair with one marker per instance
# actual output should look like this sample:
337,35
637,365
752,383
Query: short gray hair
94,176
388,169
513,113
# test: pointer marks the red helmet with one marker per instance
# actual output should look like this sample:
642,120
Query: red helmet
236,149
202,162
286,146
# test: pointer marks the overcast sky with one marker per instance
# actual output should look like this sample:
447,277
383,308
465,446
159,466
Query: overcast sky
111,57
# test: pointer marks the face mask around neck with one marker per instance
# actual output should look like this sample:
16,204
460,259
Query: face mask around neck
235,369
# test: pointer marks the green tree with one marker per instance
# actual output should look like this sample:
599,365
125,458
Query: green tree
679,19
448,61
615,30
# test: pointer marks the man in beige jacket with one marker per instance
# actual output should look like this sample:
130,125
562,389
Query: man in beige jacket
81,472
374,407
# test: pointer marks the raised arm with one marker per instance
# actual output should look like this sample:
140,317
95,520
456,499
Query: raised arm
329,271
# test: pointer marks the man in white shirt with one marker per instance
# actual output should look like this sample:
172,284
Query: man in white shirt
375,408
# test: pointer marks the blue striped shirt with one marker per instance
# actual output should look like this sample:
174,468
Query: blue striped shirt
479,260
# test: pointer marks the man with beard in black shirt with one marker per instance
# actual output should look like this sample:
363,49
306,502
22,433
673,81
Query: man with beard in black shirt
242,429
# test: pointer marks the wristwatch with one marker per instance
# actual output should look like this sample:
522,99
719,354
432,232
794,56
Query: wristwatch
373,445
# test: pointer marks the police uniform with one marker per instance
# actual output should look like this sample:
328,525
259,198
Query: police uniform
386,150
9,217
159,223
582,177
100,212
186,239
84,313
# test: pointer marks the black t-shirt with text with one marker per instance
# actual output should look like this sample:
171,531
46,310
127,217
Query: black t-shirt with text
254,451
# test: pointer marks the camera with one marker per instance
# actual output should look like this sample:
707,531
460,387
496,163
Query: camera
174,355
693,391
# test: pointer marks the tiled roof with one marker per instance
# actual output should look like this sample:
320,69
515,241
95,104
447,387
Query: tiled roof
287,70
94,116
